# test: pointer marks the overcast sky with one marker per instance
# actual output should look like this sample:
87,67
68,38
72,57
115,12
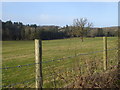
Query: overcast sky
101,14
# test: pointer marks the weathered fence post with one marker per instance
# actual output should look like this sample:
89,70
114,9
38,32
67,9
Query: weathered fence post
105,53
38,61
119,49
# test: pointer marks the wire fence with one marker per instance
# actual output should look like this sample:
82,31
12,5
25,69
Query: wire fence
58,72
19,66
14,84
49,75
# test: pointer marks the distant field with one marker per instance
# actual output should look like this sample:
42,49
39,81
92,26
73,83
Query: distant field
22,52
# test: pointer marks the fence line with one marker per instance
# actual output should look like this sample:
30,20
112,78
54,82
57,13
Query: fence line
19,66
38,63
62,71
14,84
70,69
33,79
55,66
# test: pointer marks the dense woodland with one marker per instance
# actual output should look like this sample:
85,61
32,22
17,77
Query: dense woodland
19,31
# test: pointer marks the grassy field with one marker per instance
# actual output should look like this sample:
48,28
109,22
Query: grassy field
22,52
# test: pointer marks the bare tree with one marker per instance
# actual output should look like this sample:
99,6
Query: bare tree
81,27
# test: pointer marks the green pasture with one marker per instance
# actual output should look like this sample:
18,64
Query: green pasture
16,53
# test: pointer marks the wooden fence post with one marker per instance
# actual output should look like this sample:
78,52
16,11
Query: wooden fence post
119,49
38,61
105,53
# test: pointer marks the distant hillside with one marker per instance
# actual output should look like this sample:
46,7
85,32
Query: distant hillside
109,31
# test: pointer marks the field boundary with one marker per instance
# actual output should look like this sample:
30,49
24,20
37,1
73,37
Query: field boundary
38,63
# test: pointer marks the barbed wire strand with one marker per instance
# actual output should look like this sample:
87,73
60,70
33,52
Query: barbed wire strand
19,66
58,59
62,71
53,66
14,84
76,55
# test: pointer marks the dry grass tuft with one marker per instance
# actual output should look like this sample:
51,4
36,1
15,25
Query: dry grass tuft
106,79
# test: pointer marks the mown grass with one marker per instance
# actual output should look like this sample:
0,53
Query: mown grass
22,52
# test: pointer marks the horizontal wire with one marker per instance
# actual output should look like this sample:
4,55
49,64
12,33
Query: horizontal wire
19,66
58,59
11,85
53,66
47,76
77,55
60,71
64,70
14,84
33,79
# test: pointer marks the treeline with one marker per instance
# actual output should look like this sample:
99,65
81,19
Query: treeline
19,31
